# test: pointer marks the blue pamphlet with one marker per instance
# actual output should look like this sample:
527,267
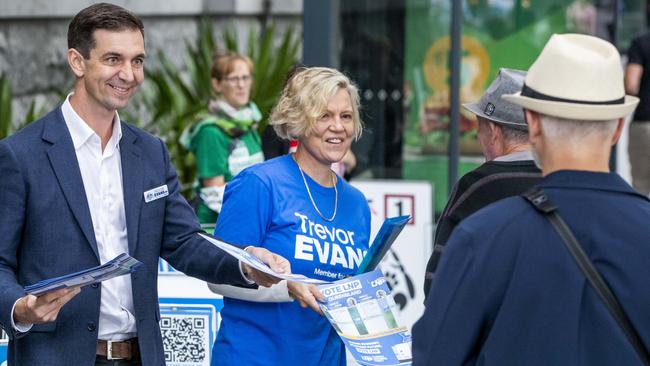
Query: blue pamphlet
362,311
118,266
387,234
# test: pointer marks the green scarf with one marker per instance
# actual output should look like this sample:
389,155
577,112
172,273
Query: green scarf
231,121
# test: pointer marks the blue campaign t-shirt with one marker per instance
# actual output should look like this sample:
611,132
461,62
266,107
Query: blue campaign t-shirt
267,205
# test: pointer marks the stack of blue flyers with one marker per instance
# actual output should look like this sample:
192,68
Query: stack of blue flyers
118,266
387,234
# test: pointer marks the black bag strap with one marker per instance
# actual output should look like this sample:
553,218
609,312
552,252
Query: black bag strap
538,198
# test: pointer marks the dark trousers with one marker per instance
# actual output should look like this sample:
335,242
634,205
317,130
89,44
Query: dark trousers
102,361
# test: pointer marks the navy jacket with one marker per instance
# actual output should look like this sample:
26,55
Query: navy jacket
508,292
46,231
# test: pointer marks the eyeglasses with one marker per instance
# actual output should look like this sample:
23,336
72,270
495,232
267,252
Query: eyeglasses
234,80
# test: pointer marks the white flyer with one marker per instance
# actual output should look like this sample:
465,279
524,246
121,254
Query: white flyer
254,262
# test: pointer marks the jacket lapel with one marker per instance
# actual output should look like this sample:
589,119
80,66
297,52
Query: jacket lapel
132,181
63,159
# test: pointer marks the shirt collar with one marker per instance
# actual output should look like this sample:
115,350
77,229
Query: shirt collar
583,179
80,131
516,156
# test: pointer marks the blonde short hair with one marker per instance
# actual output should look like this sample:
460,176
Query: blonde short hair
304,99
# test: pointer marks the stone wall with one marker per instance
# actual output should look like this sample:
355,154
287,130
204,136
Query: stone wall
33,36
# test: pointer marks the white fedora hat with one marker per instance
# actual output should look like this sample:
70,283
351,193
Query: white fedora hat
576,77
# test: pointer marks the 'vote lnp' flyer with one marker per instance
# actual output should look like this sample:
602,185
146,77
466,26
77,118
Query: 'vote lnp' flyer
363,313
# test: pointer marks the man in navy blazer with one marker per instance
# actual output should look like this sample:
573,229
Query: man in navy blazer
79,186
508,291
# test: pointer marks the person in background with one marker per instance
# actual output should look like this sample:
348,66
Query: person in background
509,169
272,145
637,82
224,141
345,167
297,206
79,187
508,291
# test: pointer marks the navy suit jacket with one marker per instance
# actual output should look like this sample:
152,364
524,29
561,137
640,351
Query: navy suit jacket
508,292
46,230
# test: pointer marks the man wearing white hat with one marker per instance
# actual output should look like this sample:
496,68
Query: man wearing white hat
509,169
508,290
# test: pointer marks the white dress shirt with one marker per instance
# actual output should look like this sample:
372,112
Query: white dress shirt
101,172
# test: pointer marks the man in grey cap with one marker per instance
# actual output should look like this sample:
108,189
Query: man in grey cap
509,169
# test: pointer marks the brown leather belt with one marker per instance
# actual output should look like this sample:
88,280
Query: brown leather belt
122,350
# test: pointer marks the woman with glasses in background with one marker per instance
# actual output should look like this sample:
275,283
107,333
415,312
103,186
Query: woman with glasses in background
224,140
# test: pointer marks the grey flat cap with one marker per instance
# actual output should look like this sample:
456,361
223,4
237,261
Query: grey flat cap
493,107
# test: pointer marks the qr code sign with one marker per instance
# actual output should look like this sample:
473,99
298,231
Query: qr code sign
186,339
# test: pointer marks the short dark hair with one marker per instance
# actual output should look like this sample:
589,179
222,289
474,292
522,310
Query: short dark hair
99,16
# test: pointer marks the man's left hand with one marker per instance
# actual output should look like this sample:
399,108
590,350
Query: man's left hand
277,263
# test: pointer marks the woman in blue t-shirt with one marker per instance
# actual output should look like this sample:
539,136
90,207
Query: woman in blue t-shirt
297,207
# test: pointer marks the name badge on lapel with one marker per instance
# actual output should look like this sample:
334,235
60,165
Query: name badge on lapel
156,193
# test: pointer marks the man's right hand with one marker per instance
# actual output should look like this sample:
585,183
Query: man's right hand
276,262
32,309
